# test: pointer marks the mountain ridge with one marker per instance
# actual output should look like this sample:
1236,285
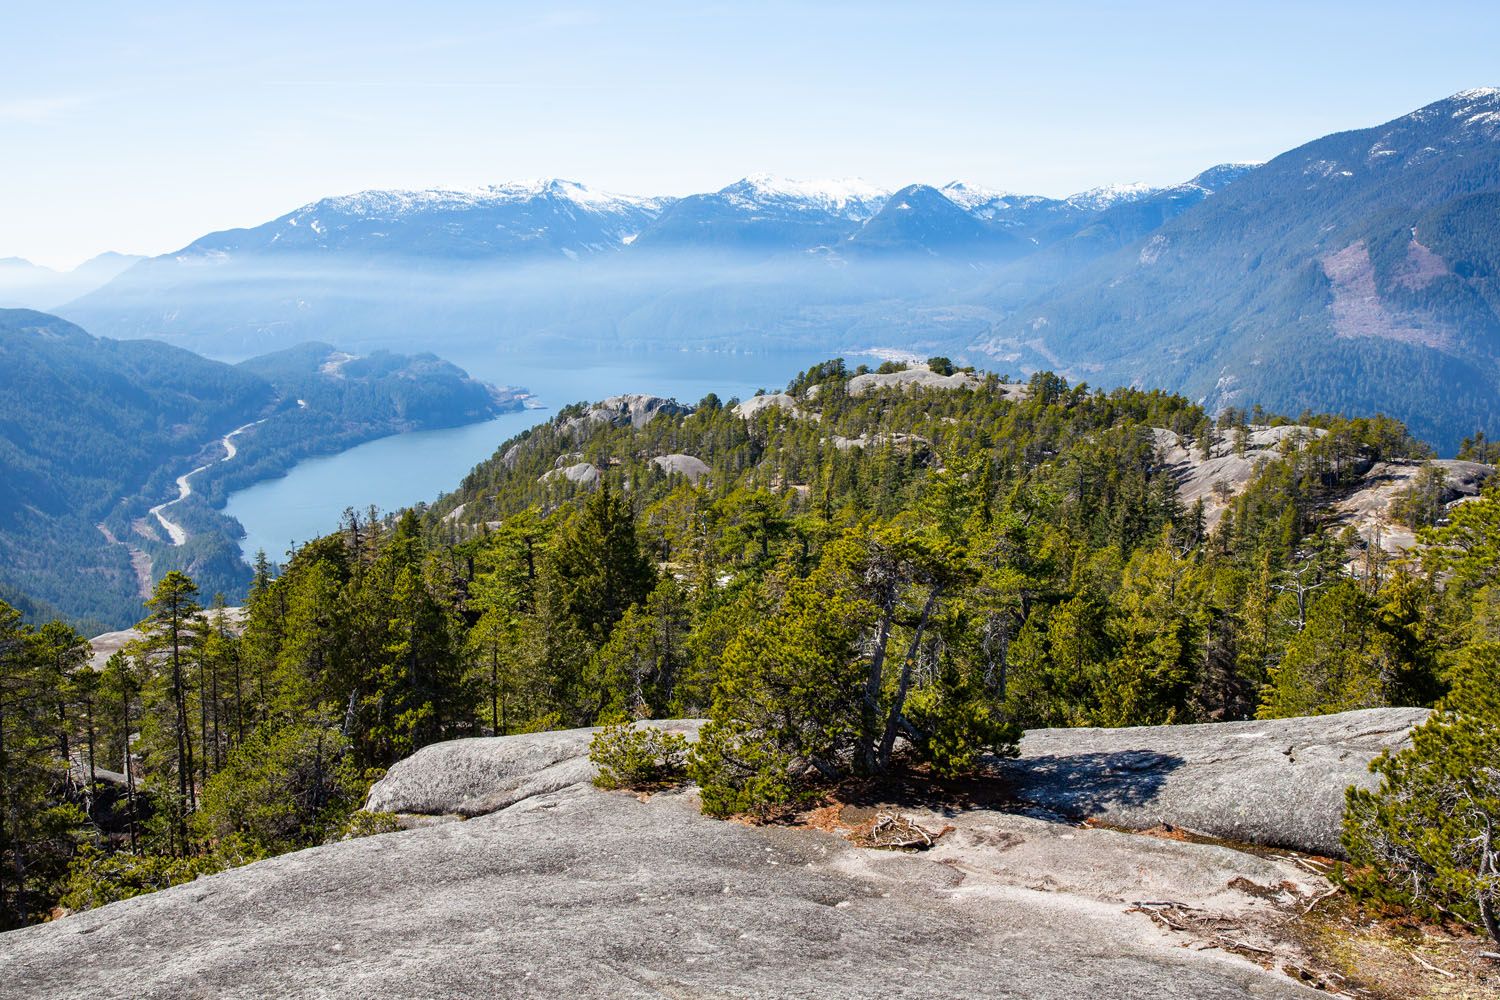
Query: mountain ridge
1202,286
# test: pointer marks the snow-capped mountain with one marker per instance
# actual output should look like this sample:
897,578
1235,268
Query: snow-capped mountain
766,214
1356,272
1109,195
921,220
539,218
846,198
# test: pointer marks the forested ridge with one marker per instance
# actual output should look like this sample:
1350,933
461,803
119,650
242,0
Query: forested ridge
93,432
852,583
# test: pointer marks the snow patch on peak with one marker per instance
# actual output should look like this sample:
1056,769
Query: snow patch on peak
972,196
848,196
1100,198
394,204
1476,94
1109,195
1221,175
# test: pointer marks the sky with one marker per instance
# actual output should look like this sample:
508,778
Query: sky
140,127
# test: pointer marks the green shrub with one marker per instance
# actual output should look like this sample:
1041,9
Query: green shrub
1429,836
738,772
283,789
959,727
363,823
95,877
644,757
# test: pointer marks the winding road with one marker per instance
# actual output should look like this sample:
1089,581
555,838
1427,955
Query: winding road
185,488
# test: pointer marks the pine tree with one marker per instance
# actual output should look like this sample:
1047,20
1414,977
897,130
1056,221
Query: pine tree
37,824
170,636
1429,836
1148,680
1329,665
597,564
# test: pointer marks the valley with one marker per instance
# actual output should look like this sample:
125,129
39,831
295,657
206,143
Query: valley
101,429
184,483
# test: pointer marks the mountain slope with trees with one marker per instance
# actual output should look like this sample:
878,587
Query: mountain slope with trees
1353,274
93,432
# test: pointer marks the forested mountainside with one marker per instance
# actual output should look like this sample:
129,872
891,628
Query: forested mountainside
924,553
1354,274
94,433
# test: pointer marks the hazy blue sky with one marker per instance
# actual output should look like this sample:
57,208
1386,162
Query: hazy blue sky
139,127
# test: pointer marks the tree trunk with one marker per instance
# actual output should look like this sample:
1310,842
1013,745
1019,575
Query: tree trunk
129,770
874,681
895,719
1486,904
89,718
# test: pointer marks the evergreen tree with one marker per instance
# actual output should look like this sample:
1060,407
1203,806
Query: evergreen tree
1429,836
170,638
1328,666
37,827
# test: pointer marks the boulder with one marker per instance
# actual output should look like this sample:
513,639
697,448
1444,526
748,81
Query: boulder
482,775
583,474
693,469
1279,783
750,408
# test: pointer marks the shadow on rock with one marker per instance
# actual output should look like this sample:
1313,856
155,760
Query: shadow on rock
1086,784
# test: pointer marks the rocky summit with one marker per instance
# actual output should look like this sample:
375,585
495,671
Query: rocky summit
517,878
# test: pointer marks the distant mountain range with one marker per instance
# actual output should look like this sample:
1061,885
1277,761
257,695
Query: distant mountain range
1355,273
33,286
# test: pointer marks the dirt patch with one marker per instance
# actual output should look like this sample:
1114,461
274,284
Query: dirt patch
1394,956
1333,945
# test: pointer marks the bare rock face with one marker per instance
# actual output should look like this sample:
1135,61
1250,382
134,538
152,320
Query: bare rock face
688,466
485,774
918,376
554,888
1368,509
632,410
102,647
750,408
1279,783
585,894
1226,471
584,474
